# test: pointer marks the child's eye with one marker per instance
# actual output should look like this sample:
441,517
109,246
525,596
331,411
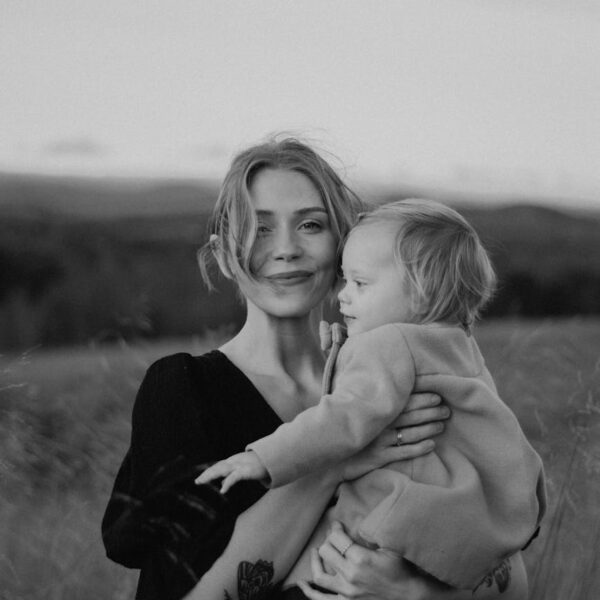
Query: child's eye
360,284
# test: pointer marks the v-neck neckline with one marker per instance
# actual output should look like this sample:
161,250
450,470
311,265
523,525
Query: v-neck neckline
241,375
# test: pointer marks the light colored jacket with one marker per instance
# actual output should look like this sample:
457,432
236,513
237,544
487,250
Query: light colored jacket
481,489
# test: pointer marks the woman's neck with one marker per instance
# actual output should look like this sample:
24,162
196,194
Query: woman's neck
270,345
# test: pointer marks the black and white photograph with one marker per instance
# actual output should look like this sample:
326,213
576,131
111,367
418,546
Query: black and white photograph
299,300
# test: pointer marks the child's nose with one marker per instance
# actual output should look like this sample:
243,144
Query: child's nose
343,294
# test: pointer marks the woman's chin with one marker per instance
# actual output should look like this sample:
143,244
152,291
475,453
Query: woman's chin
290,306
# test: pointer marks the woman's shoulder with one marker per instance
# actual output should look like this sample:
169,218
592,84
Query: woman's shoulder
179,379
206,378
183,365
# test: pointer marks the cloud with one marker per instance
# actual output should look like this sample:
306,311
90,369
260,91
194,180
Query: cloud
76,147
211,151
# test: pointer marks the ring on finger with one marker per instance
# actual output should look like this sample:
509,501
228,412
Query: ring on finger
346,548
399,440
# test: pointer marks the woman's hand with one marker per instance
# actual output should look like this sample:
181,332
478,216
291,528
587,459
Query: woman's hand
421,419
410,437
352,571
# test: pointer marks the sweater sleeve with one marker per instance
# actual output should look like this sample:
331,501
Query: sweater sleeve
156,518
374,379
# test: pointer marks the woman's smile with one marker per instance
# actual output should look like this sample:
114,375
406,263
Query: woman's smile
290,278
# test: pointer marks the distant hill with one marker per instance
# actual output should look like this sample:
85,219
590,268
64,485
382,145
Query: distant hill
85,259
104,198
119,197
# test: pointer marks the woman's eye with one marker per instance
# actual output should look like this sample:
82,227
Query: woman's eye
311,226
262,229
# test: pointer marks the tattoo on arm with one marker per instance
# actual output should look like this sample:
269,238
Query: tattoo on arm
500,576
254,580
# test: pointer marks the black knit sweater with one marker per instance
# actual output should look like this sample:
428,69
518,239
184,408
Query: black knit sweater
189,411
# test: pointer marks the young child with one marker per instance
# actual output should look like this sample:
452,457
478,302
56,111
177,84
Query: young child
416,277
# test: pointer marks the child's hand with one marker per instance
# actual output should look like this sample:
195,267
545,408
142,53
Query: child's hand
245,465
329,334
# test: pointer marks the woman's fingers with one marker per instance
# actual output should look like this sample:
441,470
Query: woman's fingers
338,552
339,539
313,594
418,433
334,583
394,453
421,415
422,400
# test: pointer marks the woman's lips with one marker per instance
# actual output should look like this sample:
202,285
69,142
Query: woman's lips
289,277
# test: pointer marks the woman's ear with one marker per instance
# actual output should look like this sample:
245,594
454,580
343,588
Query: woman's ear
217,252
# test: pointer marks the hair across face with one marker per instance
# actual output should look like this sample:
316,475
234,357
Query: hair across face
446,266
293,261
234,224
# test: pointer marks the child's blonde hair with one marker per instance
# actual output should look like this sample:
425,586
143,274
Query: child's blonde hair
449,273
233,224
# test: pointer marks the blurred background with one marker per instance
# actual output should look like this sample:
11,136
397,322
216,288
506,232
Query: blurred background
118,121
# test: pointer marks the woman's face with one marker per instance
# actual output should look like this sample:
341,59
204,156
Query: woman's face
294,255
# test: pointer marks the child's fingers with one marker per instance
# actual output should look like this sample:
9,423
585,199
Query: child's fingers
220,469
325,335
231,480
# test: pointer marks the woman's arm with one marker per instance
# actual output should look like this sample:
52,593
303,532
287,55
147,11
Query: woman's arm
269,536
156,519
353,572
266,540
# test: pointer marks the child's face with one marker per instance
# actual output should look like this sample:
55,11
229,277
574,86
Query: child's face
374,292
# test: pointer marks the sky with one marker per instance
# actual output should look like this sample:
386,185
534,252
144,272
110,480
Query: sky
484,97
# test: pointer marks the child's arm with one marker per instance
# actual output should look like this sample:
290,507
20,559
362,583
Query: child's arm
374,379
269,535
247,465
238,467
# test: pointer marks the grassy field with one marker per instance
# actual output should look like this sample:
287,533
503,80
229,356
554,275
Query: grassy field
64,427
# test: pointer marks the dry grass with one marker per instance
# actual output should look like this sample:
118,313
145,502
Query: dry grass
549,374
64,427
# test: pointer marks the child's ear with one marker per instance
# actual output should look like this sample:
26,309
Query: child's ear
217,252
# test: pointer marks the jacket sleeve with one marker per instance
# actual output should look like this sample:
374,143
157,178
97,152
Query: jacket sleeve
373,381
156,515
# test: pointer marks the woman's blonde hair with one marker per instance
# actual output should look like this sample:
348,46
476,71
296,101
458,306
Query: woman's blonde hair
449,273
233,223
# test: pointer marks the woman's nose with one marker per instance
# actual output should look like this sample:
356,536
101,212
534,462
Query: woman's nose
286,246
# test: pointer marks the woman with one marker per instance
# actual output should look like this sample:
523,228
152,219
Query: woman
277,231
